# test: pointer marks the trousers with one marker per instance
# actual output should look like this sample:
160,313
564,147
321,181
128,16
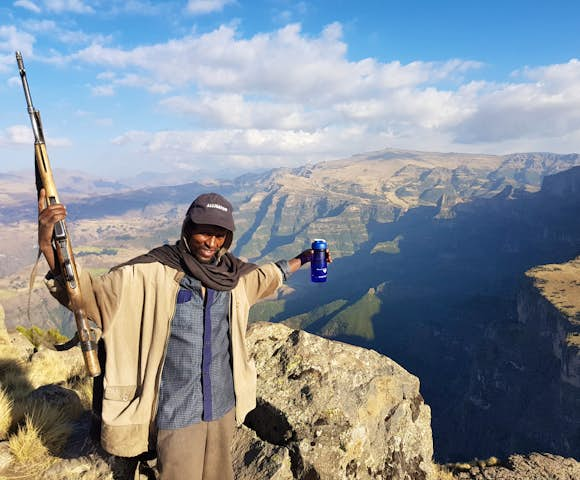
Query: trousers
201,451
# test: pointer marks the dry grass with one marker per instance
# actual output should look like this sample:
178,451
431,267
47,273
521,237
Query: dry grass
7,352
560,284
6,416
49,366
36,431
443,473
82,384
12,374
3,333
29,451
42,434
26,444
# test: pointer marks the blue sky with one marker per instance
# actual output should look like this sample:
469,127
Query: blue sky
214,88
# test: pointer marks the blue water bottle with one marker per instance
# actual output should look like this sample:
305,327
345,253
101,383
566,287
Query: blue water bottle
318,264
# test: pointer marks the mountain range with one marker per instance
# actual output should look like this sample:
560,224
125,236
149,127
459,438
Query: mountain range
431,251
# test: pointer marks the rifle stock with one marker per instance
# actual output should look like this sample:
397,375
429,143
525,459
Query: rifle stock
60,237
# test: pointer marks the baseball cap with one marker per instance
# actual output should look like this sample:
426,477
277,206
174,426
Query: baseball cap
211,209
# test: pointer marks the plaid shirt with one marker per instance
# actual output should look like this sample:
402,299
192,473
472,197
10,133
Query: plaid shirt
196,383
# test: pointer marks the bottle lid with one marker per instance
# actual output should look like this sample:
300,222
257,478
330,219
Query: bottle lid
319,244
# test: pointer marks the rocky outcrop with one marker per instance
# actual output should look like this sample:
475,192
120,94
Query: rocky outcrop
528,369
333,410
326,410
522,467
550,304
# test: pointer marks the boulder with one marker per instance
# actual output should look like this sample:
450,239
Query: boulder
338,410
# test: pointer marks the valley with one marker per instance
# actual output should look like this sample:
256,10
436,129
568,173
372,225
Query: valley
431,252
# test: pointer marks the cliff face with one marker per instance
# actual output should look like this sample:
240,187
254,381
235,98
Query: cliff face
529,368
328,410
550,305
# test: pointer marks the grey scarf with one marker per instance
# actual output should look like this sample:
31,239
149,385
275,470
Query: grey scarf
224,274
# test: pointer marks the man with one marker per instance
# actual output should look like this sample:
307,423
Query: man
177,370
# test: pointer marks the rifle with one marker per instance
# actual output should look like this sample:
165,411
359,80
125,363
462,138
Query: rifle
60,237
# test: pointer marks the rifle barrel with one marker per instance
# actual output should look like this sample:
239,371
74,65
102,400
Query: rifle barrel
61,240
34,114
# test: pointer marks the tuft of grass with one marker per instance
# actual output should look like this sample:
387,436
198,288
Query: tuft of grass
26,444
39,337
42,434
34,334
4,338
30,454
443,473
13,377
49,366
82,384
54,336
36,432
6,416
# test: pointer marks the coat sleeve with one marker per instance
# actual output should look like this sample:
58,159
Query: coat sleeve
101,295
262,282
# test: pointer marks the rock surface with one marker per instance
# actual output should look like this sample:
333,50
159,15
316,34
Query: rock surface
530,467
528,369
326,410
339,411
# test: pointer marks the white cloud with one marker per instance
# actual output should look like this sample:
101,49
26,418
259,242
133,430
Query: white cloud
136,7
234,111
201,7
229,150
103,91
17,135
12,39
63,35
22,135
284,64
286,97
28,5
73,6
14,82
545,108
557,78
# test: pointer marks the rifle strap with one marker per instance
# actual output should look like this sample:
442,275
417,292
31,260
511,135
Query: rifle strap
31,284
58,346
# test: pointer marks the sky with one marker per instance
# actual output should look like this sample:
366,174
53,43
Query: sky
217,88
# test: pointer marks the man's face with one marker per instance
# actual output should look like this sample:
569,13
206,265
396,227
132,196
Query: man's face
205,241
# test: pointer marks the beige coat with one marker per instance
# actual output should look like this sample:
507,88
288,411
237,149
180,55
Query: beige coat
134,306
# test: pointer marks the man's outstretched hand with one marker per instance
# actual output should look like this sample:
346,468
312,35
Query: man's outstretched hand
305,257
